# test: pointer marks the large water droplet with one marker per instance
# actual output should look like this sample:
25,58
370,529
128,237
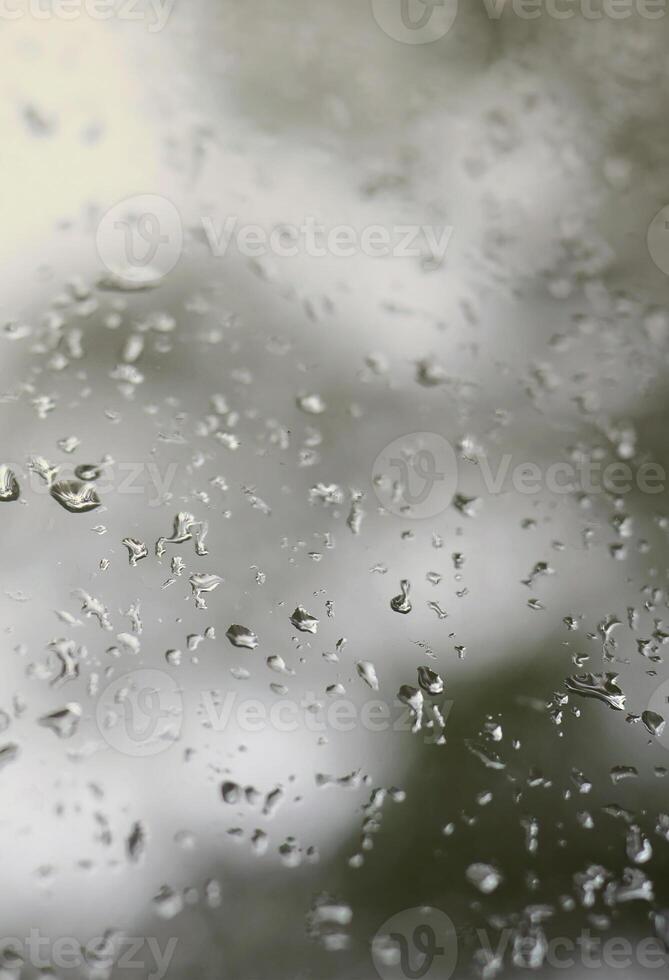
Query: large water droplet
241,636
9,485
75,497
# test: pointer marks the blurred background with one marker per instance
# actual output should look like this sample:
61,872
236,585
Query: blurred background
255,393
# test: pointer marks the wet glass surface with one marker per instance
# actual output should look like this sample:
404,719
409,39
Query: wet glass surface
333,489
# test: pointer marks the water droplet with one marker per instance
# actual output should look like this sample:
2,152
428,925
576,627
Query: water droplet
201,583
413,698
484,877
136,842
8,753
311,404
401,603
168,903
231,793
9,485
637,846
241,636
429,373
602,687
136,550
185,528
64,722
87,472
75,497
430,681
367,671
654,723
304,621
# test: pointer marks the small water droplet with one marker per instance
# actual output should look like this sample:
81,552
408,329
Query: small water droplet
304,621
367,671
402,603
136,550
87,472
64,722
484,877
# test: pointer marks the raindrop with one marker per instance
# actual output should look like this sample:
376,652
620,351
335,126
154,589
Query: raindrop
202,583
654,723
88,471
9,485
430,681
484,877
304,621
638,846
231,792
136,550
75,497
311,404
602,687
401,603
367,671
168,903
241,636
64,722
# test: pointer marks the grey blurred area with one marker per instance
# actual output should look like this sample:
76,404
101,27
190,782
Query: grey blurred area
232,388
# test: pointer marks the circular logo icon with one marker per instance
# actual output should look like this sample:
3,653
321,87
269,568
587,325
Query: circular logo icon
140,713
415,21
657,239
140,239
416,476
416,943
